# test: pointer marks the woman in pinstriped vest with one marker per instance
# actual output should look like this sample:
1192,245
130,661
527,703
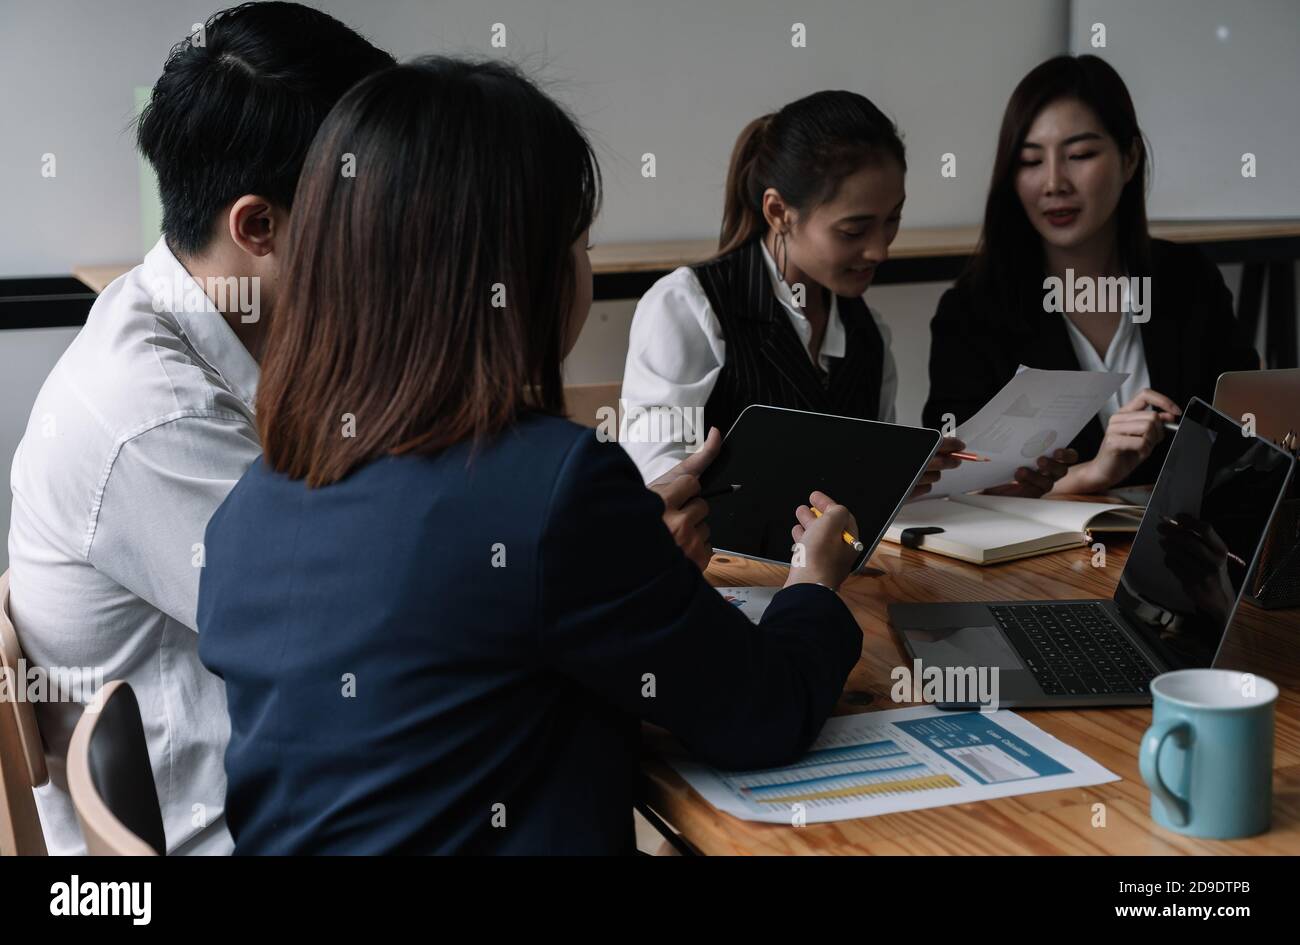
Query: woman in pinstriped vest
814,196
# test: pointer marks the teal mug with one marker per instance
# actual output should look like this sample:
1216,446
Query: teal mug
1208,755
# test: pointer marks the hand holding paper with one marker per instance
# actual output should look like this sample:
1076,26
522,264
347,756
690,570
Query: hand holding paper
1034,482
1035,414
947,456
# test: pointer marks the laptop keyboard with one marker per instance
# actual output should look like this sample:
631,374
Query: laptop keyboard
1283,584
1075,649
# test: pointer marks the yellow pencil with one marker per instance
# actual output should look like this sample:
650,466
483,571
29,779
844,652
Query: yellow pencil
846,535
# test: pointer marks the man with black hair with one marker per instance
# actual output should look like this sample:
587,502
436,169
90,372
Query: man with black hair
146,422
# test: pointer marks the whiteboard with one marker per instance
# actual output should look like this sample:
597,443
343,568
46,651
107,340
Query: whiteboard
1211,81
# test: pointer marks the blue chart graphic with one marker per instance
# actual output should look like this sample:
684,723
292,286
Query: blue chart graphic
856,764
841,773
874,763
982,748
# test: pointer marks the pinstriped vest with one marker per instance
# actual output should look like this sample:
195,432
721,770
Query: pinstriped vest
766,363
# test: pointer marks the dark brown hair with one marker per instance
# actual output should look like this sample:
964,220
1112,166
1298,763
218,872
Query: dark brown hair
804,151
1006,273
470,186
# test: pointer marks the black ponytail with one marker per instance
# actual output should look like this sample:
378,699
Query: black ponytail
804,151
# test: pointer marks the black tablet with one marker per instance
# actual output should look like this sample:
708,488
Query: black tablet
779,456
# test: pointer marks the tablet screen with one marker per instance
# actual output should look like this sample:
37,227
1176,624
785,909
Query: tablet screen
779,456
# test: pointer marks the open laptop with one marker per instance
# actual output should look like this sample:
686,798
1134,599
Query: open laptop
1200,536
1272,399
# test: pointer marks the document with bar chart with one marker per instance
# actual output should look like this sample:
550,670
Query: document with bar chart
903,759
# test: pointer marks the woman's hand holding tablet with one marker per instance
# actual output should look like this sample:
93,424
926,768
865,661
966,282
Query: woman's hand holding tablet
685,513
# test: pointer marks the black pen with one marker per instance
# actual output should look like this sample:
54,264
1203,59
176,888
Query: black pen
719,490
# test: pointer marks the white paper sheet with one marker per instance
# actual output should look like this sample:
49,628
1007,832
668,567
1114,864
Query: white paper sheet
1036,413
896,760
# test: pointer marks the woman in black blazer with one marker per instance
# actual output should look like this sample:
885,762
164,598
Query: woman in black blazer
440,609
1067,205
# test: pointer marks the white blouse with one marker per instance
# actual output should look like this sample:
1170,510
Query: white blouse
1124,355
676,351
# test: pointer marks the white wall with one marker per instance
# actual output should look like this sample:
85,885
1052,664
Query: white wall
1211,80
25,358
678,78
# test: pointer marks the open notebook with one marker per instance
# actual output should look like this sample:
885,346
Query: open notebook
987,529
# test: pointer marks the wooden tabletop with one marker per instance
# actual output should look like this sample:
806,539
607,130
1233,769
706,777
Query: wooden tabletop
98,277
914,242
1056,822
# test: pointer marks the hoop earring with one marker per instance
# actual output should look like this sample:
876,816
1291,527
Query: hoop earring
782,254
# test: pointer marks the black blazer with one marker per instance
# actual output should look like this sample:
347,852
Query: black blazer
435,657
1189,340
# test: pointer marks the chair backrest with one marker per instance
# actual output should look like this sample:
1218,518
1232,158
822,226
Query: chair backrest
581,401
22,756
110,778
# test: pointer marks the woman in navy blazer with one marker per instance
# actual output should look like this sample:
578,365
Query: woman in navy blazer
441,610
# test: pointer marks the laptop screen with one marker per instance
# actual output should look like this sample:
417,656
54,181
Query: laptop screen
1204,524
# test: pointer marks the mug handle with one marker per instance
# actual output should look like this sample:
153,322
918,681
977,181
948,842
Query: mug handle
1148,764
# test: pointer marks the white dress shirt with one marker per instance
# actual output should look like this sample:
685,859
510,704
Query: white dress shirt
1125,355
676,351
143,426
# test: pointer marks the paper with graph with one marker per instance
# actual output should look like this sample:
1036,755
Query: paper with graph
897,760
750,601
1036,413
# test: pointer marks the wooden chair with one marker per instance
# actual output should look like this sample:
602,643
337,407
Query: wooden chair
22,755
110,778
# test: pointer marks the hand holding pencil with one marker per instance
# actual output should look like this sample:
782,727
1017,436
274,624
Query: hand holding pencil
823,554
849,538
950,455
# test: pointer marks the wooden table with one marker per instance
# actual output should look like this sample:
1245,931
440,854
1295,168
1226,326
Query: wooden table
1056,822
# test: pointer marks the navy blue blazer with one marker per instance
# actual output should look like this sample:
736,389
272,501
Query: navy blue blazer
432,656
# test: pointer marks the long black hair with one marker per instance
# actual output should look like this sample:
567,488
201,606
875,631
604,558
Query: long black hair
804,151
1007,270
